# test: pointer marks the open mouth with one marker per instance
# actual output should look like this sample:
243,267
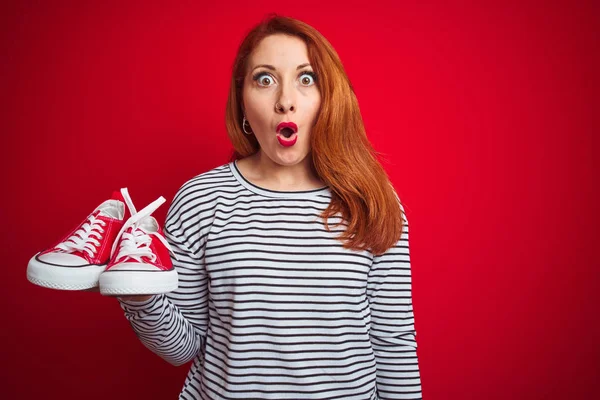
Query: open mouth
287,132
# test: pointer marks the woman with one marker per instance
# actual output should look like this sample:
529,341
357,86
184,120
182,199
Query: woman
293,261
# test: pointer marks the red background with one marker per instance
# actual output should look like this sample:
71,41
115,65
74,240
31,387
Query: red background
485,116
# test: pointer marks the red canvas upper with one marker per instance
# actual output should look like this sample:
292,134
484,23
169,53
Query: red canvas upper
110,231
163,259
102,254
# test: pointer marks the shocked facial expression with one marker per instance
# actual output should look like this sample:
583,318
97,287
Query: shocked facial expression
280,89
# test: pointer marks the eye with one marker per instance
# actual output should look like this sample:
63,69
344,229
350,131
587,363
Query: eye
263,79
308,78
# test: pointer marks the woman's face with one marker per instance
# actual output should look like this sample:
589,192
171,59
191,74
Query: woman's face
279,86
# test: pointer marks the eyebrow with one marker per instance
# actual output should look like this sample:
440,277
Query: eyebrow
272,68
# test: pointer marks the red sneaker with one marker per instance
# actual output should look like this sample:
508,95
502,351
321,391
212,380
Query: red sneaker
140,262
76,261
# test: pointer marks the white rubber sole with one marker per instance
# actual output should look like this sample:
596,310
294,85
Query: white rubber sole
130,282
63,277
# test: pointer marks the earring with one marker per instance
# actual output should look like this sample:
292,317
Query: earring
244,122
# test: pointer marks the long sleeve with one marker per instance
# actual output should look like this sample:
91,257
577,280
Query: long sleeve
393,334
173,325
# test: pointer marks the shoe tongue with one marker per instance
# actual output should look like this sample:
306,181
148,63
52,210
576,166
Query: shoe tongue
112,211
148,224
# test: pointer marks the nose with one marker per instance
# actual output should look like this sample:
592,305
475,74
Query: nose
285,103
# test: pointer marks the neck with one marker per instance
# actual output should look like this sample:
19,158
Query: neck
300,175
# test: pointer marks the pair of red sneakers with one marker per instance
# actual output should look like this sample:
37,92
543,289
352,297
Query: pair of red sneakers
122,251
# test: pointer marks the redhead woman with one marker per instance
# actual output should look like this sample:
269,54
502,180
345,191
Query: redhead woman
292,258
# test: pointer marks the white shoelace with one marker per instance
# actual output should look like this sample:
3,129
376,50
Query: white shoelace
85,238
136,244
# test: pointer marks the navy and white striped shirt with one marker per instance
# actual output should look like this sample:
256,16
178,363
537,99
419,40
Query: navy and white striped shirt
271,306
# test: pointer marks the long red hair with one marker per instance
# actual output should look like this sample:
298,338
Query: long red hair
342,155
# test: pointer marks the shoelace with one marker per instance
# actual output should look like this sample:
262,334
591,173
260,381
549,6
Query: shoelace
136,244
84,239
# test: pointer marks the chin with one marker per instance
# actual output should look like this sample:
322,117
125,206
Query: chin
291,159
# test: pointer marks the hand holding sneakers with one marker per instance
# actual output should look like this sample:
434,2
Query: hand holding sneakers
122,251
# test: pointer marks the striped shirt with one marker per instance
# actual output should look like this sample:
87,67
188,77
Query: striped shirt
271,306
